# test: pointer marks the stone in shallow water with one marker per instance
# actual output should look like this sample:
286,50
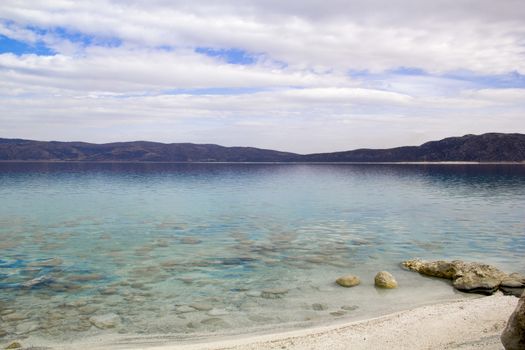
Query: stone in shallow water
182,309
86,277
201,307
348,281
54,262
384,279
253,293
218,312
349,307
108,291
36,281
190,240
14,317
14,345
105,321
88,309
2,333
215,321
338,313
27,327
274,293
319,307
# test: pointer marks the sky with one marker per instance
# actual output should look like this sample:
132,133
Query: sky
302,76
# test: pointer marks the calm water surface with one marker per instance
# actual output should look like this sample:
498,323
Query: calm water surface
216,248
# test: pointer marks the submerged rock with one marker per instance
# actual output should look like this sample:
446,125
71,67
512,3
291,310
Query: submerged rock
54,262
218,312
513,336
36,281
469,277
384,279
27,327
201,307
274,293
105,321
348,281
2,333
14,345
319,307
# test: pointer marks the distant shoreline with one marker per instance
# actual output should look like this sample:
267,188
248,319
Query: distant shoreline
278,163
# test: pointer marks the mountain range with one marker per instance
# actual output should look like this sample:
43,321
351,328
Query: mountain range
490,147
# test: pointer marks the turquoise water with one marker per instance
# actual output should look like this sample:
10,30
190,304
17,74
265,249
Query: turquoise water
187,250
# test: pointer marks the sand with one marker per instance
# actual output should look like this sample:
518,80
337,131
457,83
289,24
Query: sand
465,324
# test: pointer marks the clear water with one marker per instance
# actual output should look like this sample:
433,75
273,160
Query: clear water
147,241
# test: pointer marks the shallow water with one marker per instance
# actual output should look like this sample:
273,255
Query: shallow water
184,249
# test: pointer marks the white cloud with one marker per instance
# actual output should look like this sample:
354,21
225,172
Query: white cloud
298,94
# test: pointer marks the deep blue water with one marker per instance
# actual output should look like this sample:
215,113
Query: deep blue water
145,241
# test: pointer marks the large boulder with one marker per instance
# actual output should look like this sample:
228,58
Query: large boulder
469,277
385,279
513,336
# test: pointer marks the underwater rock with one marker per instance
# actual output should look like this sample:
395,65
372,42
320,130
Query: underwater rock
2,333
88,310
201,307
14,345
190,240
182,309
217,312
319,307
513,336
349,307
13,317
87,277
384,279
469,277
53,262
274,293
253,293
338,313
348,281
36,281
27,327
108,291
215,321
105,321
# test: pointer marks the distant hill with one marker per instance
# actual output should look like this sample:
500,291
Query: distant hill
491,147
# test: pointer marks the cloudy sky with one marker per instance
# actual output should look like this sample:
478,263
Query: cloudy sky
303,76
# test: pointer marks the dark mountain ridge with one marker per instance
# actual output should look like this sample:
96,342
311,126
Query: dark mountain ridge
490,147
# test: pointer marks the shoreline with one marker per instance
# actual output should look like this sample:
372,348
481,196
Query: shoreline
463,324
266,163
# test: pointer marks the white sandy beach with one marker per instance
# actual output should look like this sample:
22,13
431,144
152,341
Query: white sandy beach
466,324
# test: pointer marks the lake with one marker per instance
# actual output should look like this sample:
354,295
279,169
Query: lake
188,250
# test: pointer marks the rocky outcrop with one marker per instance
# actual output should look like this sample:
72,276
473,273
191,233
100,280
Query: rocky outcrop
384,279
513,336
348,281
471,277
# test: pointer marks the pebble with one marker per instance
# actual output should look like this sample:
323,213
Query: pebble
14,345
349,307
14,317
183,309
253,293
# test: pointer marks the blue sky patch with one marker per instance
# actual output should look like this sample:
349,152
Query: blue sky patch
232,56
8,45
